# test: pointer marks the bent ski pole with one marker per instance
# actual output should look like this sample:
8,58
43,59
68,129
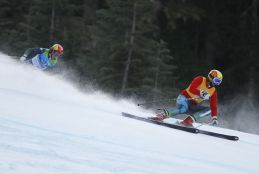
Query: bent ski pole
186,98
168,100
202,124
155,102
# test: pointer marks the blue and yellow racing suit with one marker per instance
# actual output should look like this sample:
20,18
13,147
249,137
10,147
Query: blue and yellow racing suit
43,59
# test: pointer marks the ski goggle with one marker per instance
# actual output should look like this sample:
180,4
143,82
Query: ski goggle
57,53
217,80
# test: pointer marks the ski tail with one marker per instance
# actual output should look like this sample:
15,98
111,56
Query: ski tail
228,137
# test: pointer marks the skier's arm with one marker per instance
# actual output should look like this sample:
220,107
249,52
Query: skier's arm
213,104
195,83
33,51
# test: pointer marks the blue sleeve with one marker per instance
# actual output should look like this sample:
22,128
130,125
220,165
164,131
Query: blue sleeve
56,68
34,51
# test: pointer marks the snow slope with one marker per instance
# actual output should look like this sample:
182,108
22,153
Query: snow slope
48,126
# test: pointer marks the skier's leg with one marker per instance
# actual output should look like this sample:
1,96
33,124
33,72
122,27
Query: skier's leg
182,106
28,62
195,113
205,111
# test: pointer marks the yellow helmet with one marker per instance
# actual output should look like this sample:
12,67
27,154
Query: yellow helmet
215,76
57,47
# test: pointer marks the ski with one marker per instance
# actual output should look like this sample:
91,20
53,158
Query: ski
161,123
228,137
224,136
183,128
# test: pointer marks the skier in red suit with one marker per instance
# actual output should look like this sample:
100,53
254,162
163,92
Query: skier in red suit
200,89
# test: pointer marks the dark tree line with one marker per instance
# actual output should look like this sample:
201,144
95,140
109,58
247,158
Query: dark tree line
149,49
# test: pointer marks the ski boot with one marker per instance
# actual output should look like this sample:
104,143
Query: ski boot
161,116
188,121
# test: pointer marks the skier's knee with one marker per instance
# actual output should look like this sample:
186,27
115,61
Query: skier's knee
182,110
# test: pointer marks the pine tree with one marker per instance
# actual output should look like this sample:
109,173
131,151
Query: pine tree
126,49
163,72
10,30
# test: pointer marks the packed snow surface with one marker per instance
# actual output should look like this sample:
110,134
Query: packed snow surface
48,126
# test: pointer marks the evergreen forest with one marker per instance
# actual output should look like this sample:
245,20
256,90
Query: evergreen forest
147,50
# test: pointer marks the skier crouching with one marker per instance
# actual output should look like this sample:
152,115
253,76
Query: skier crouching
45,57
200,89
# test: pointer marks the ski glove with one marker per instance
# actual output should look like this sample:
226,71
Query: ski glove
215,121
23,58
204,95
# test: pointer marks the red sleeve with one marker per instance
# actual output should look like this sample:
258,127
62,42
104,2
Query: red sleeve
195,83
213,104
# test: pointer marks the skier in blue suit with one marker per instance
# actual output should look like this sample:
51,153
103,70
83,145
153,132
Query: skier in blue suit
45,58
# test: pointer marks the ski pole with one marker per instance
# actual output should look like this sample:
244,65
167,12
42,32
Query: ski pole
169,100
186,98
203,124
155,102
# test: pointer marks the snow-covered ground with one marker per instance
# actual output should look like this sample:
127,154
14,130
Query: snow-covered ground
48,126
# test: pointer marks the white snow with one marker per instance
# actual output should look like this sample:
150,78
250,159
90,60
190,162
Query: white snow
48,126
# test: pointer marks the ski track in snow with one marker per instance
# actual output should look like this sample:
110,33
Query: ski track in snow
101,141
48,126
